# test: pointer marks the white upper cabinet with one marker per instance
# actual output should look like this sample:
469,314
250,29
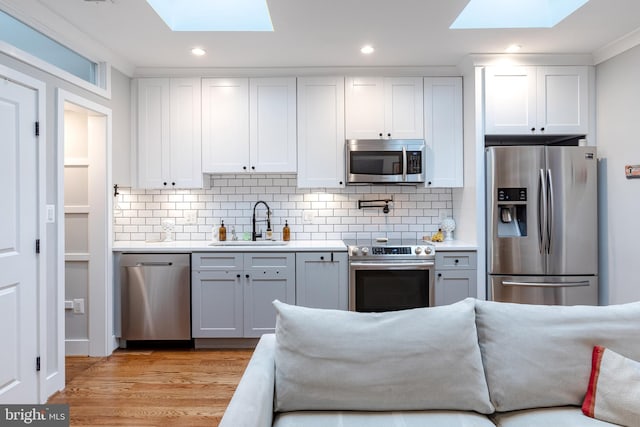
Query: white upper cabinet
321,132
384,107
249,125
443,131
168,133
536,100
225,125
272,124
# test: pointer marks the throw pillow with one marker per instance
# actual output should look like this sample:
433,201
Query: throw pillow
419,359
613,394
538,356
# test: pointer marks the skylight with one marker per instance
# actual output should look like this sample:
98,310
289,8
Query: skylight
214,15
515,14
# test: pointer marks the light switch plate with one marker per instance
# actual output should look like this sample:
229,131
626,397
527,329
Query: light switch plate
190,217
307,216
51,213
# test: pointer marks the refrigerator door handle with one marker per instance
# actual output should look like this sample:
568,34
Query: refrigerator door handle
550,212
548,285
542,212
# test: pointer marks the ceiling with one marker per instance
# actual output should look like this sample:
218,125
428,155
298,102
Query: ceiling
327,33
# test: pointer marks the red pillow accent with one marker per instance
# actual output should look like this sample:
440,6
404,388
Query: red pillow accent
588,406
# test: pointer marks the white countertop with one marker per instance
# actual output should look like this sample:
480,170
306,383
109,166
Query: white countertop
292,246
206,246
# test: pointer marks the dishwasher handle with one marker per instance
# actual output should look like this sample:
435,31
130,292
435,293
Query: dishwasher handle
154,264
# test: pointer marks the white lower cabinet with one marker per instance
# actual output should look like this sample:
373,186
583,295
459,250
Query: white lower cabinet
322,280
455,276
232,293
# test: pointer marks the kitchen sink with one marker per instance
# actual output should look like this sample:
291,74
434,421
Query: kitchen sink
250,243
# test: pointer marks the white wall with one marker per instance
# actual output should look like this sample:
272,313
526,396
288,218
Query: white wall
618,114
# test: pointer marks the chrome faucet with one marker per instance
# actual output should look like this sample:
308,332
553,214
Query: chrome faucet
255,235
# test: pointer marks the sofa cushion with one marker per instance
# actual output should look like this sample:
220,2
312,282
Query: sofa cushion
563,416
420,359
538,356
381,419
614,388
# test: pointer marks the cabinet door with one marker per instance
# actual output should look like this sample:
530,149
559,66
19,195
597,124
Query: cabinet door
321,139
153,133
268,276
364,100
443,131
322,280
272,124
563,100
403,109
185,170
225,125
510,100
454,285
217,305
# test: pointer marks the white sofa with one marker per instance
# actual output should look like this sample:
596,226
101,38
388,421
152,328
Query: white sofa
473,363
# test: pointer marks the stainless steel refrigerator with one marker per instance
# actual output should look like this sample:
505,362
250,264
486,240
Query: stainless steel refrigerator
542,239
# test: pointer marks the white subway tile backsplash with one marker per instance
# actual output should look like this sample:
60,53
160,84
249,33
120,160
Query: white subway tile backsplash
414,211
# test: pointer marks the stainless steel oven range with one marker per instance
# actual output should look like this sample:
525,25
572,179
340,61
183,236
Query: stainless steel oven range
390,276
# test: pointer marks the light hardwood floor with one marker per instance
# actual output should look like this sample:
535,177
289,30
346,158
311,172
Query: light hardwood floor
152,388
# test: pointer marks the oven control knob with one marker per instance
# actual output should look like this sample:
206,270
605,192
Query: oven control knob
364,250
418,250
354,251
428,250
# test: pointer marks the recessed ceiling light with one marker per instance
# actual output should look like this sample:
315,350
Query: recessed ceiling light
214,15
198,51
367,50
515,14
513,48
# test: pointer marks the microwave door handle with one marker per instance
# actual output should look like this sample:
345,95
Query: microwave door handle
404,163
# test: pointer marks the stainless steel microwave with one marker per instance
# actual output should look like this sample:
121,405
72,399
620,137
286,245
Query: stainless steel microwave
385,161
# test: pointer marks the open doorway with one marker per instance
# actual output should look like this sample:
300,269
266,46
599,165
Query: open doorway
85,267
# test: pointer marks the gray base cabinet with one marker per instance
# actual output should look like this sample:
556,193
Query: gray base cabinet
232,293
322,280
455,276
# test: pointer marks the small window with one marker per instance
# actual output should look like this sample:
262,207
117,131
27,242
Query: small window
33,42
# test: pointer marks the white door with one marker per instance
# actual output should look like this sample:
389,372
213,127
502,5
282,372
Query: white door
321,132
364,108
563,100
18,233
510,101
403,117
225,125
153,133
272,124
185,133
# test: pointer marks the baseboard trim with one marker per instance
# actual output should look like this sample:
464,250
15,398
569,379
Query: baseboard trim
220,343
76,347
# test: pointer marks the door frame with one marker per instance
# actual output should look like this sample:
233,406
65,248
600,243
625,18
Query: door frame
102,340
39,86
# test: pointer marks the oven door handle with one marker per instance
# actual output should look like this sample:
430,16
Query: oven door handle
392,265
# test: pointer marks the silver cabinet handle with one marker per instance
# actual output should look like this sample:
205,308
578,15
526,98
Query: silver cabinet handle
548,285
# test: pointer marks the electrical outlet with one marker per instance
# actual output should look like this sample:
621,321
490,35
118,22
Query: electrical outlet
78,306
307,216
190,217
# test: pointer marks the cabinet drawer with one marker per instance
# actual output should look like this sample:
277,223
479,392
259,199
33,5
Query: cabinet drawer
216,261
268,261
456,260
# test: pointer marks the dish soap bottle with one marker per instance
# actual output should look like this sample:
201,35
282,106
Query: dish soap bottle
222,232
286,232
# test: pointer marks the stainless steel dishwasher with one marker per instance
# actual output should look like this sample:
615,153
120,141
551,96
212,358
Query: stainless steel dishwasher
155,294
